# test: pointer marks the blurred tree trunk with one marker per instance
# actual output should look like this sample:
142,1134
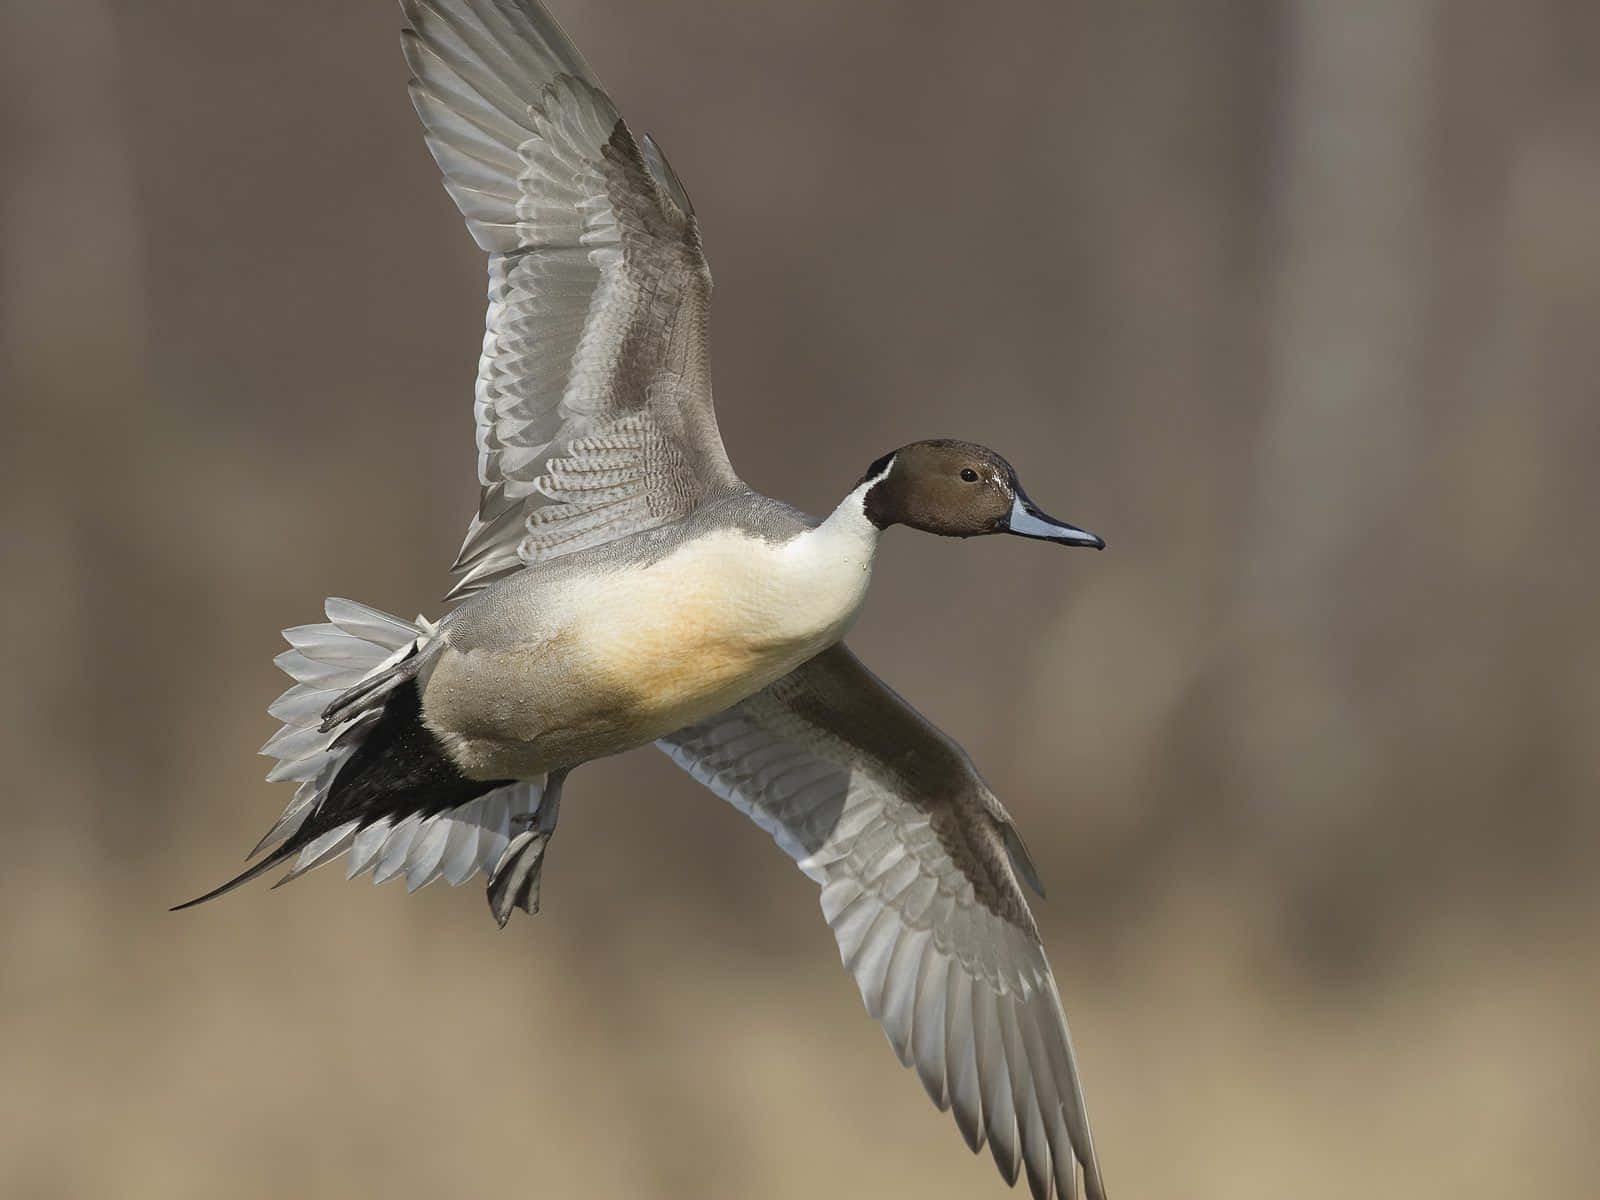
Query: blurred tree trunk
71,371
1348,289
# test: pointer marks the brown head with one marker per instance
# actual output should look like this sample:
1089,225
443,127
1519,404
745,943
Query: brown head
958,489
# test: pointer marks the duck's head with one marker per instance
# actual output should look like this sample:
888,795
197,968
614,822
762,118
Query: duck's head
958,489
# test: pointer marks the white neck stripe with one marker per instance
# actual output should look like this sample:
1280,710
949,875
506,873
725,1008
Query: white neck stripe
883,474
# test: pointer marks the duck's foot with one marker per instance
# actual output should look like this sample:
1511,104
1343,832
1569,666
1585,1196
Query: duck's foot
514,883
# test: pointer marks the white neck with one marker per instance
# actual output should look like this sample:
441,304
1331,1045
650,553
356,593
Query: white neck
848,524
828,568
848,532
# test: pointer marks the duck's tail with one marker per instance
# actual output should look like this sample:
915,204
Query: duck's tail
373,783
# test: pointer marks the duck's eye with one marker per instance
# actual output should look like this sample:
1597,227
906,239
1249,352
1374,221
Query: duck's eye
969,475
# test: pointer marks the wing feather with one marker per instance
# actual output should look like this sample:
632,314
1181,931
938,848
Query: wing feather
593,399
919,869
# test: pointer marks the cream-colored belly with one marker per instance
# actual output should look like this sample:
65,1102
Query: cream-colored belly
617,660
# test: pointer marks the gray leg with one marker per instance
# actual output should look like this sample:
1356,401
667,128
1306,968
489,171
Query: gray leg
515,880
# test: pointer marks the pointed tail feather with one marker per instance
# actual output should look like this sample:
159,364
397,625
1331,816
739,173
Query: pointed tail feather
244,876
346,672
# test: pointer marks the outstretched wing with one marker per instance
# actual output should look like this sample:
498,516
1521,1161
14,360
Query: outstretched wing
919,866
594,394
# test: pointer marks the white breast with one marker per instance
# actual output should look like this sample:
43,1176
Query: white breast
724,615
622,656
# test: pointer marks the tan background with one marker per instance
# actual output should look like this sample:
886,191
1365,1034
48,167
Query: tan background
1297,303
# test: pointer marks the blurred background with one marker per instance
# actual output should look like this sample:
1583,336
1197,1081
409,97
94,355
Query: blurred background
1297,304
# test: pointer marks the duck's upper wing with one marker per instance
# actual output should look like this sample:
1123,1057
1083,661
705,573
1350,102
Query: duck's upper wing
919,867
594,394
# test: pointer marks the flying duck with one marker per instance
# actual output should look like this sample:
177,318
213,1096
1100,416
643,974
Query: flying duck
620,585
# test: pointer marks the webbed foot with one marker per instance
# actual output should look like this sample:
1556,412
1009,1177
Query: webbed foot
514,882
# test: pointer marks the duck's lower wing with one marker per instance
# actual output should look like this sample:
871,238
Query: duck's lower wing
919,867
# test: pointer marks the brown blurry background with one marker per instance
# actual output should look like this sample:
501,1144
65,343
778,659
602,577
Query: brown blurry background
1296,303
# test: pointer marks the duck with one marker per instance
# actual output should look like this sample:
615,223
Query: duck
621,586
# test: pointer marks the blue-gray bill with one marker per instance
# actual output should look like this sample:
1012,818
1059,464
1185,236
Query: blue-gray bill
1027,521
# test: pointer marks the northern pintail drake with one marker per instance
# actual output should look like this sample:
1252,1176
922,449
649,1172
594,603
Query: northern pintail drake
620,585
